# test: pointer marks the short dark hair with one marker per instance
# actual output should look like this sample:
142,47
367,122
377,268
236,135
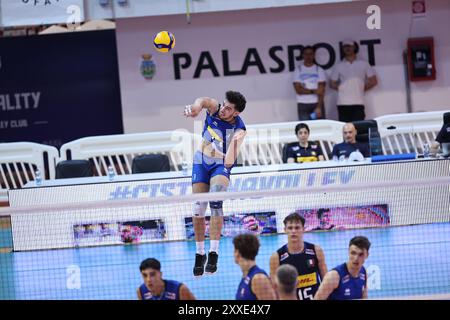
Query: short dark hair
355,49
309,48
294,217
150,263
287,278
321,211
361,242
301,126
237,99
247,245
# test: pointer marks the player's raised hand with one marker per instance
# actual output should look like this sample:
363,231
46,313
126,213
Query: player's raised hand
192,110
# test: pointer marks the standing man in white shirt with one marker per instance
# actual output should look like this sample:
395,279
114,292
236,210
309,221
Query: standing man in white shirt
352,78
309,84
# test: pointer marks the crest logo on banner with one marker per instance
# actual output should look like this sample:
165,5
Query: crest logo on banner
148,67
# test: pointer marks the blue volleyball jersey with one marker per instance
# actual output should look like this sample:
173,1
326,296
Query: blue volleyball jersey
244,291
307,266
171,291
349,287
218,132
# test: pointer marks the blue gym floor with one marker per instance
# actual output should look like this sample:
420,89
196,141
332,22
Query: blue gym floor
412,260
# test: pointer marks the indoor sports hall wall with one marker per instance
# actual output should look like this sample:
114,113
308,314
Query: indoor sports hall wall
218,44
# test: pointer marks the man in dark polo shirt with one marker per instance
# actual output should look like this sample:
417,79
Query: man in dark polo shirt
444,134
304,150
442,139
349,145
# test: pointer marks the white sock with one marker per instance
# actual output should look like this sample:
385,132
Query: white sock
214,246
200,247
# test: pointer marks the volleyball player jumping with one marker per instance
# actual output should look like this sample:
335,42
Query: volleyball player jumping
223,134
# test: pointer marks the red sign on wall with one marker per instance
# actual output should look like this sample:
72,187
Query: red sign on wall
418,8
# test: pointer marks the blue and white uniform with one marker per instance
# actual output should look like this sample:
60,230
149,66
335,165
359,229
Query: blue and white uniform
244,291
349,287
219,134
171,291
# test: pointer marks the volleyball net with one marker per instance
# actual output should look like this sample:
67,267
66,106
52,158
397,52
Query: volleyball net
93,250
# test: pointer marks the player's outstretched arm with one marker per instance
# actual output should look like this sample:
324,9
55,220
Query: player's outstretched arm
329,283
193,110
322,263
262,287
234,147
185,293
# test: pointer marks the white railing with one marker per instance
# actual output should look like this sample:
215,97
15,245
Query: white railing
407,133
119,150
20,160
263,145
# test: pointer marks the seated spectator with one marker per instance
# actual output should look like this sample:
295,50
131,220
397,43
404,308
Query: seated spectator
443,137
444,134
349,145
304,150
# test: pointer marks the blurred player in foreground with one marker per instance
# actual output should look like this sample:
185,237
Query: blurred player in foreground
157,288
285,282
255,284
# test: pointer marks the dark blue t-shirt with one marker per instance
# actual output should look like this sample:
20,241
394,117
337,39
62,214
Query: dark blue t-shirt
444,134
171,291
349,288
346,148
244,291
301,154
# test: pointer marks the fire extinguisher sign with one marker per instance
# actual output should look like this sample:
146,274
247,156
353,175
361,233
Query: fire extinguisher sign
418,8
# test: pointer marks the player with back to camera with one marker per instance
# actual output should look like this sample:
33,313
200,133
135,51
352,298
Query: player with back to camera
223,134
285,282
255,284
307,258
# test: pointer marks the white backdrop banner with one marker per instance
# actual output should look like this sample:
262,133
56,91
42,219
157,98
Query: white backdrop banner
240,182
39,12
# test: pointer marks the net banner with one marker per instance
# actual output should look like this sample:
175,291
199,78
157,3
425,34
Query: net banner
261,223
341,218
253,180
118,232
